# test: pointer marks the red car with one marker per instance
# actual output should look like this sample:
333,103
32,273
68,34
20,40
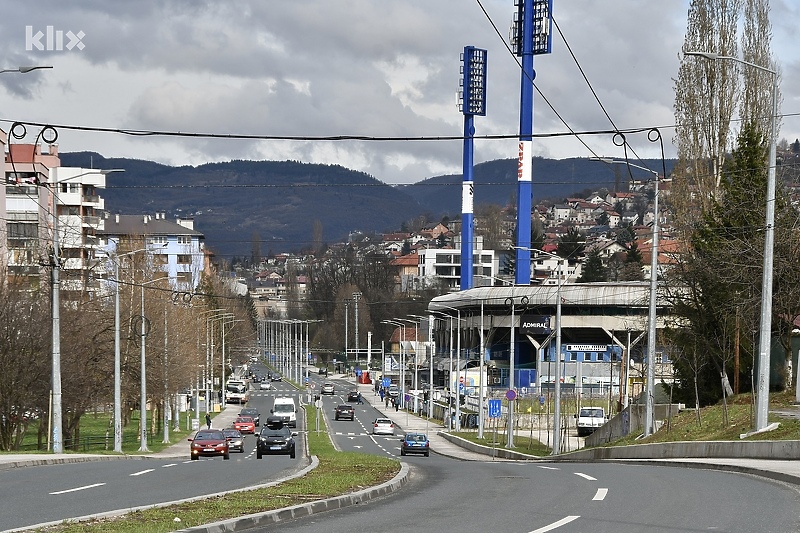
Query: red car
209,442
245,424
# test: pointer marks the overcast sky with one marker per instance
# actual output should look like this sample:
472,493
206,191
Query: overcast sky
347,67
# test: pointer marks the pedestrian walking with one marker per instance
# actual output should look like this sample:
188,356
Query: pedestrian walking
208,421
396,404
382,394
360,399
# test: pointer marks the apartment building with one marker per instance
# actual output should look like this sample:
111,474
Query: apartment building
176,247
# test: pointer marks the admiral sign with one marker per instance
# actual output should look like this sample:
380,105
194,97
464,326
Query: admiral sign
534,324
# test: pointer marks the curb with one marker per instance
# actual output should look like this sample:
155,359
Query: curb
306,509
67,460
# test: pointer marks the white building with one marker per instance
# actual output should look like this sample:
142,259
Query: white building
176,247
445,264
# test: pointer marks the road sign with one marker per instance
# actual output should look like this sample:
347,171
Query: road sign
511,395
461,379
541,399
495,408
386,382
460,387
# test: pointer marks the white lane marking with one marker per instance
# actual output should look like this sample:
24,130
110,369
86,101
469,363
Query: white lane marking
78,488
169,465
600,495
142,472
554,525
547,467
586,476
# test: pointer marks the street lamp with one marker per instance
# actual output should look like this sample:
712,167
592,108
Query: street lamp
222,380
416,359
402,358
430,318
649,418
144,331
765,333
55,287
117,358
557,381
25,70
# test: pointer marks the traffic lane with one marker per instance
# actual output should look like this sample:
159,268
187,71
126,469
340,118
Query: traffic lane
94,487
48,493
445,494
356,435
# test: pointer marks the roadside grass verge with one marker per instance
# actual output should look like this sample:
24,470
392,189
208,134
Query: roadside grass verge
337,473
713,426
522,444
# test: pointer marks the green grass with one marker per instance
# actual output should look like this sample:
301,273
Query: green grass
338,473
713,426
491,439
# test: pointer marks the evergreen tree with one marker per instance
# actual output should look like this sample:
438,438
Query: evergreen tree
593,268
632,267
571,245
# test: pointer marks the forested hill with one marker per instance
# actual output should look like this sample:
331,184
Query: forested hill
279,203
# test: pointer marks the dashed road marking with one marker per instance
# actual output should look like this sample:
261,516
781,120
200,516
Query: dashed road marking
142,472
564,521
600,495
78,488
586,476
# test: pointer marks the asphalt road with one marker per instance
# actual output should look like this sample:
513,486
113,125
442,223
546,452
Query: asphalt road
506,497
40,494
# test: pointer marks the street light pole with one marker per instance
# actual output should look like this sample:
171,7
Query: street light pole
649,420
55,287
765,330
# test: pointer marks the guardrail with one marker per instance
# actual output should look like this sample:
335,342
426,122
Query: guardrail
87,443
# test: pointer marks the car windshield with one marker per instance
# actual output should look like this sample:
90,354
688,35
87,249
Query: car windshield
231,433
383,421
209,435
345,407
281,432
249,411
592,412
416,438
243,419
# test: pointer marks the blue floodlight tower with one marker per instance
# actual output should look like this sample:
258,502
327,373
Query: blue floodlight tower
472,101
531,36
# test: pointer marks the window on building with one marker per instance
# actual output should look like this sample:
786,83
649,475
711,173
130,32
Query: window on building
184,259
184,278
159,239
160,259
184,239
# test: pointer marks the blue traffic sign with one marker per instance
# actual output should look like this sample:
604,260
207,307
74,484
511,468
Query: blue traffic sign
386,382
495,408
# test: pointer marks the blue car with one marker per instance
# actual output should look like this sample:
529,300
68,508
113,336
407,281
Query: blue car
415,443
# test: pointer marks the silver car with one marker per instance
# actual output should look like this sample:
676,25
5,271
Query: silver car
382,426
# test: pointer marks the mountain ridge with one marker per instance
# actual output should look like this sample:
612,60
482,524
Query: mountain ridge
275,206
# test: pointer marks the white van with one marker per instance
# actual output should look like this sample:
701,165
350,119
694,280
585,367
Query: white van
286,409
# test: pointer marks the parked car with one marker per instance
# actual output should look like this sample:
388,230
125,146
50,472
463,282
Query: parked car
245,424
253,413
265,385
352,396
275,439
209,443
328,388
344,411
415,443
235,439
382,426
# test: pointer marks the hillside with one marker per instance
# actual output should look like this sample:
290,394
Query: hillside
278,202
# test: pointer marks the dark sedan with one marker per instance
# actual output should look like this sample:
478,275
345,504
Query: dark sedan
275,440
253,413
352,396
344,411
209,443
235,439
